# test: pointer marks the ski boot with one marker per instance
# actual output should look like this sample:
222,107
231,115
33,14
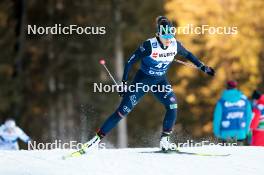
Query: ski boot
165,144
92,144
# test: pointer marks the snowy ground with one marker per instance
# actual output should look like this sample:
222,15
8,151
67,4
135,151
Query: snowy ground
242,161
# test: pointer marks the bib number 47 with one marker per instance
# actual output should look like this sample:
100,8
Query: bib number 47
162,65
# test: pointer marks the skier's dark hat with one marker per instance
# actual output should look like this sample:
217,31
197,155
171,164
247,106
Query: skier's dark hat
164,23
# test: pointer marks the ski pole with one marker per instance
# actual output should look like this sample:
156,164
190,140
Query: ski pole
186,64
102,62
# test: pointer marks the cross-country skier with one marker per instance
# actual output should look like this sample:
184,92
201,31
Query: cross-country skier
156,55
9,135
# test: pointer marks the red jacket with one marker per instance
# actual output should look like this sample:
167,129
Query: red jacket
257,134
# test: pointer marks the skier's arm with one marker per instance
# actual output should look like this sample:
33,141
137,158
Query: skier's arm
249,115
188,55
217,119
142,51
23,136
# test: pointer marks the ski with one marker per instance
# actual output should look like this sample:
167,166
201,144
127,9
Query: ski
76,153
89,145
177,151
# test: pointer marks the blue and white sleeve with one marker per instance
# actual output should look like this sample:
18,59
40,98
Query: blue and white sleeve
188,55
21,135
142,51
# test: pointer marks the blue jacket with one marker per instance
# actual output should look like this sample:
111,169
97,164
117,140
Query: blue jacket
154,63
232,96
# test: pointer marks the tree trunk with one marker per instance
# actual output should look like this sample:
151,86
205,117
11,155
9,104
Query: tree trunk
122,126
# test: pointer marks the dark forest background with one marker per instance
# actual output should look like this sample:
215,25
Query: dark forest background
46,81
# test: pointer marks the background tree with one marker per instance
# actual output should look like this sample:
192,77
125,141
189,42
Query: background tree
234,56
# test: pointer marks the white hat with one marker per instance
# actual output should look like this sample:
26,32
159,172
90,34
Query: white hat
10,123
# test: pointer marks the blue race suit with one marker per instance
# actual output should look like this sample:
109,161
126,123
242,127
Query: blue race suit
155,61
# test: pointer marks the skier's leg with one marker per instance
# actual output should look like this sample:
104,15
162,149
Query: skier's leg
171,105
169,100
126,106
128,102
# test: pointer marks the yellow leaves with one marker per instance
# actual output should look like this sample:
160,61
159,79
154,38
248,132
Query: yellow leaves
234,56
208,127
236,49
191,11
181,87
191,98
205,92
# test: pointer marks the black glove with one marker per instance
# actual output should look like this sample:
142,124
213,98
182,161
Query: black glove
122,88
208,70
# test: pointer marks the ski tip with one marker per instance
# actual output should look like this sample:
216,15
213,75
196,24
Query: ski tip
102,61
74,154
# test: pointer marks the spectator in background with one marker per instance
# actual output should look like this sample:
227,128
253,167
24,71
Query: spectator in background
232,115
255,97
9,135
257,124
